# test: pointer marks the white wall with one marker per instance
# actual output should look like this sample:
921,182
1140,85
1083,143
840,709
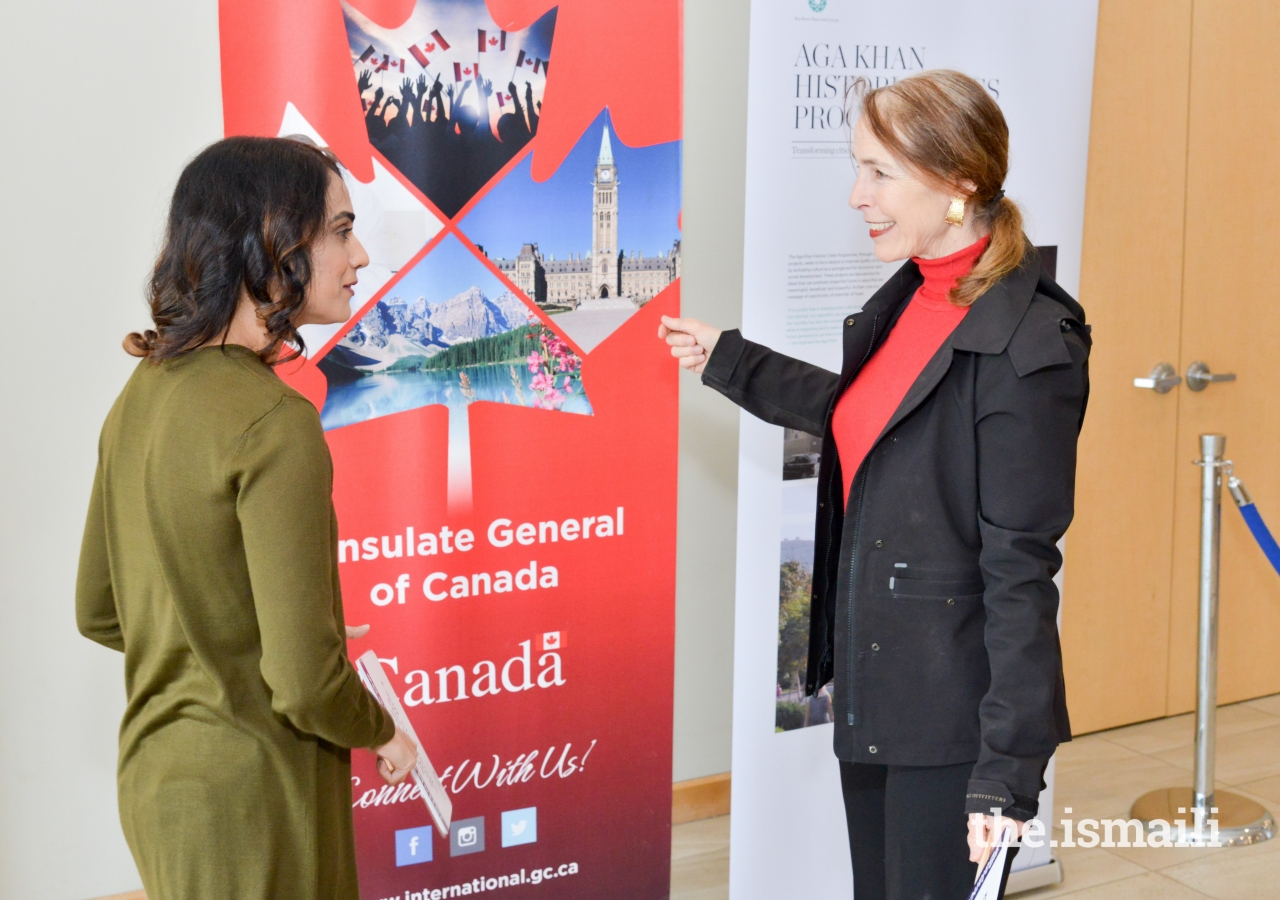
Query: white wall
104,103
715,129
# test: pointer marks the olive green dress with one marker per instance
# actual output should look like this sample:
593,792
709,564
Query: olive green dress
209,559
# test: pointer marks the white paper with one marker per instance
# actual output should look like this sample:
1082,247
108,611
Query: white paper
987,887
369,667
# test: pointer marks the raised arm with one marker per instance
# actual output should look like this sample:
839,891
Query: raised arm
522,123
419,97
435,114
284,479
453,105
374,110
96,614
485,90
769,385
529,108
407,101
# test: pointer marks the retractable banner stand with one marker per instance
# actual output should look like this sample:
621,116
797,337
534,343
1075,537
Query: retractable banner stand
809,263
501,418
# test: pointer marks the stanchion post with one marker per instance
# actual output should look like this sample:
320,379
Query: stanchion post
1212,448
1207,817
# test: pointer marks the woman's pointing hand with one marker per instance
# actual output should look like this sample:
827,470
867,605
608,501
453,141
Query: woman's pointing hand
691,341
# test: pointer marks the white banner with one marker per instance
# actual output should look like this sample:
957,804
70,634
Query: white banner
809,262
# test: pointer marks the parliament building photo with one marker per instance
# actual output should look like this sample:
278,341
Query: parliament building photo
606,277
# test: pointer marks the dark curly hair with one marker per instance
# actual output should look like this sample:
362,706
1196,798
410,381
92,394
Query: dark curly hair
244,215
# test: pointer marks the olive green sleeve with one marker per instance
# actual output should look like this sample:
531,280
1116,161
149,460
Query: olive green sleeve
283,479
96,614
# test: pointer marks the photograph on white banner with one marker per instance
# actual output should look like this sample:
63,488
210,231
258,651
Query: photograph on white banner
795,584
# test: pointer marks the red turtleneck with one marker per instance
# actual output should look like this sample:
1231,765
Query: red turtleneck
865,408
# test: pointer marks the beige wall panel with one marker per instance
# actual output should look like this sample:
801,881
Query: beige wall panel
1231,320
1116,592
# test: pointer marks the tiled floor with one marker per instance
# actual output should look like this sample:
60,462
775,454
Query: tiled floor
1099,776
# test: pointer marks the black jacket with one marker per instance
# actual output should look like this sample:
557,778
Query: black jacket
934,606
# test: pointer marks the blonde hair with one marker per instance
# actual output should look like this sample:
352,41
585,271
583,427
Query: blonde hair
945,126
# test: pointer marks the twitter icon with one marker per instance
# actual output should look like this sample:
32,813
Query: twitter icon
519,826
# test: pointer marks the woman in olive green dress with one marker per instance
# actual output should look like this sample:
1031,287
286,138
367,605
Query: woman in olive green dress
209,552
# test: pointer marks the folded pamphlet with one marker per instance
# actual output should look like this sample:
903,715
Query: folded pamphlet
987,887
369,667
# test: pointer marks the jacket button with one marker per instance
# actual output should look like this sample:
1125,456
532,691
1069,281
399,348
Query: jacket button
879,543
849,321
872,748
875,646
822,504
951,601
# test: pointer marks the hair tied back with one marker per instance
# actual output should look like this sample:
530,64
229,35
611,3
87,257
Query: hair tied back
949,129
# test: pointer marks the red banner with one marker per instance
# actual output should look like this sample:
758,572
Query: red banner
501,419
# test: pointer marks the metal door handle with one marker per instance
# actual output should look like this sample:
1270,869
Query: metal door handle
1199,377
1162,380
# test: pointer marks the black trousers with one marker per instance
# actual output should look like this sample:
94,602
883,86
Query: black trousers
908,831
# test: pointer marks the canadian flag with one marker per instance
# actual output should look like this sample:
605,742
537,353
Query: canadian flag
364,57
416,52
483,45
554,640
444,45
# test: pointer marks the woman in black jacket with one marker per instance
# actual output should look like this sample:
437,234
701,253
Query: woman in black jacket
947,479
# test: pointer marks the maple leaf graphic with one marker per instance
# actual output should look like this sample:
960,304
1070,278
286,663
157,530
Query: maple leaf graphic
259,80
628,60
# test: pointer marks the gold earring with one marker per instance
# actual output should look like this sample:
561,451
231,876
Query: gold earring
955,212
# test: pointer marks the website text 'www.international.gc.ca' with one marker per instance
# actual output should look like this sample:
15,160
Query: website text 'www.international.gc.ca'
479,885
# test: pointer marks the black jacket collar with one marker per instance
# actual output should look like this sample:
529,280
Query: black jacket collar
995,315
987,328
991,320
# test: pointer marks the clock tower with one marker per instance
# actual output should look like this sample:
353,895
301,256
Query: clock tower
604,219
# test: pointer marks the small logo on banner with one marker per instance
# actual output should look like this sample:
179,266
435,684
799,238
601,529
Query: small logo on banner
554,640
817,5
520,826
466,836
413,846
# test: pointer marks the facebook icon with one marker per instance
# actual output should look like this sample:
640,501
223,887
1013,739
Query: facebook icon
413,846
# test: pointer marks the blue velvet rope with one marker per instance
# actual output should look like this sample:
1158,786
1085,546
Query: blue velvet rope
1262,534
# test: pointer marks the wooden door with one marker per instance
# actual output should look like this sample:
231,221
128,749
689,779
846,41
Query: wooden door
1231,321
1116,595
1182,226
